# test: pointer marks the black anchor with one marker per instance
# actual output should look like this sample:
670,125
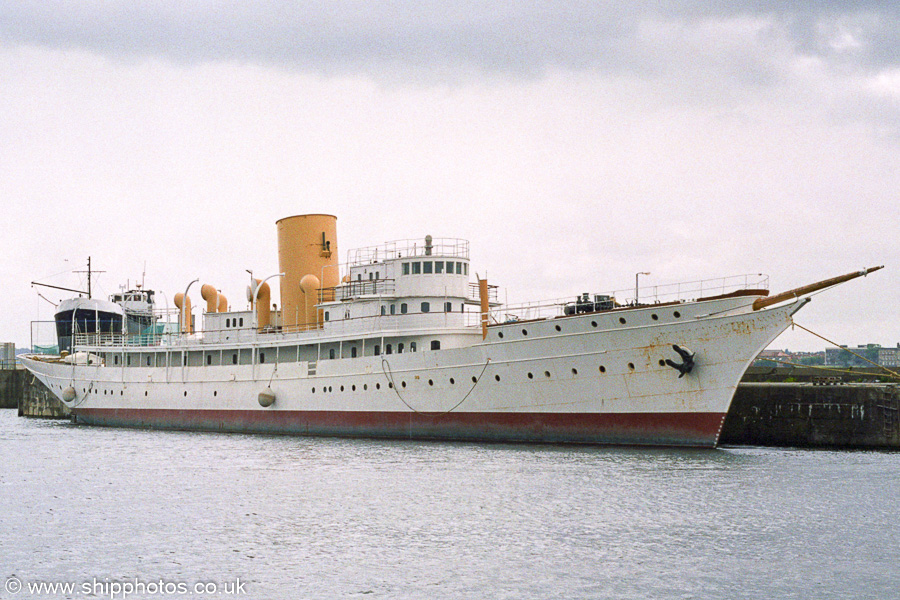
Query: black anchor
687,360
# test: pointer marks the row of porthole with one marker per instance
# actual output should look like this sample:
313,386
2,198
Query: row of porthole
622,320
365,386
530,375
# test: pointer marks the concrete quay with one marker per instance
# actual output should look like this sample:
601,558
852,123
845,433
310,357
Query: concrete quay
809,415
21,390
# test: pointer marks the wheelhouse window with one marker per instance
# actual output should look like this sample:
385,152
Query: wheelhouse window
426,307
406,268
439,267
427,267
416,268
459,268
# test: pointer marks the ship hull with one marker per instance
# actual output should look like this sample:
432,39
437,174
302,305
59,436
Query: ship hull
668,429
598,378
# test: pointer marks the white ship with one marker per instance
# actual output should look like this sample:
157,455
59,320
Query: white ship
397,343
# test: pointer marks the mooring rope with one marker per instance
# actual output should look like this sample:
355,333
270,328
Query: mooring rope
836,345
386,368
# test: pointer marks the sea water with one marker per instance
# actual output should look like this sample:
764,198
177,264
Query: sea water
118,513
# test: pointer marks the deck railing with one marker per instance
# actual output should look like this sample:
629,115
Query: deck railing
446,247
648,295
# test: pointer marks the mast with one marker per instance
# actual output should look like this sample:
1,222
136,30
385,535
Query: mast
813,287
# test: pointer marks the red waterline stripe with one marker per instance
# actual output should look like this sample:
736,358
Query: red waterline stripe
666,429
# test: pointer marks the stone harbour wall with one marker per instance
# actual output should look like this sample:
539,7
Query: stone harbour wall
852,415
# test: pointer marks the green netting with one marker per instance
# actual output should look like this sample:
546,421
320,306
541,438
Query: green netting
160,328
45,349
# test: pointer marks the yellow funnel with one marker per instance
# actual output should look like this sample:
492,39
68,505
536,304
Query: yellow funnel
307,245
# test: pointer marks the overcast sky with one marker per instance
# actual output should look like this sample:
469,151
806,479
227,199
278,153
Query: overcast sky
573,143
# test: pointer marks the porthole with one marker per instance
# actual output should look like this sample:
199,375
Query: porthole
403,384
215,393
677,314
430,382
314,390
145,394
474,379
655,317
558,328
662,363
547,374
602,369
622,320
353,388
593,323
524,332
365,386
497,377
531,376
377,386
574,371
631,366
342,388
452,381
329,388
500,334
185,393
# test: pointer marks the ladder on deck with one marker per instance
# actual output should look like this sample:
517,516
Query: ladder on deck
890,407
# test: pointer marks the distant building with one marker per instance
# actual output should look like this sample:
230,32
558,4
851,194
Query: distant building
889,357
786,357
850,357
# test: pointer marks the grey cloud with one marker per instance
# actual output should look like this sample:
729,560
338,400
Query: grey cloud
515,38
